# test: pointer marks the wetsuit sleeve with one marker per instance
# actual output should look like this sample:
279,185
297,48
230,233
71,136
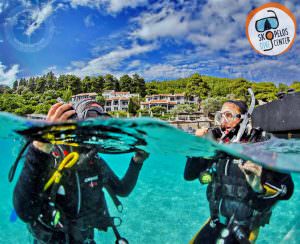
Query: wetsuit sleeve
194,166
27,197
122,187
277,186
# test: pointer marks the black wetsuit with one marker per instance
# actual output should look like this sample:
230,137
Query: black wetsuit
232,200
79,197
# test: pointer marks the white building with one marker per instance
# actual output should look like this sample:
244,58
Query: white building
117,101
81,96
168,101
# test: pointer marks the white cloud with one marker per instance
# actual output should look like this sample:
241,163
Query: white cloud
86,3
216,30
78,64
25,3
116,6
51,68
112,6
3,5
216,25
38,17
88,21
134,64
162,21
8,76
167,71
112,60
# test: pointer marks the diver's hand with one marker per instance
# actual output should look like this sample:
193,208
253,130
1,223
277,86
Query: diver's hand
201,132
252,173
60,112
140,156
57,113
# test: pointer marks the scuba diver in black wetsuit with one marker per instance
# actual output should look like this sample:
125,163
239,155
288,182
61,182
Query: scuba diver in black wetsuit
241,194
69,208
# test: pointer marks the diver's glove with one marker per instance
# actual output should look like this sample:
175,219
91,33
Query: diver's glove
140,156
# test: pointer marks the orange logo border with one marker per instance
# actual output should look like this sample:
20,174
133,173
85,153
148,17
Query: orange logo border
271,5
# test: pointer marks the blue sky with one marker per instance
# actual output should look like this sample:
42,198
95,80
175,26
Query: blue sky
157,39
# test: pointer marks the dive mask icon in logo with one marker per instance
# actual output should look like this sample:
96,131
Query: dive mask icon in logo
267,24
271,29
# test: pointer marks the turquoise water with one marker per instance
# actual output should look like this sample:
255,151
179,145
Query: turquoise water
163,208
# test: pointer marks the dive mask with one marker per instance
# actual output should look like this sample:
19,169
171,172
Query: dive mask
228,116
268,23
88,108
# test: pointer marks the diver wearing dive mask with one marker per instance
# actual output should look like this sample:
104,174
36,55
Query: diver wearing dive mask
241,194
70,208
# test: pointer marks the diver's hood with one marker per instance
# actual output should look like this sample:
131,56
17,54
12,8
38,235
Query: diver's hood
83,107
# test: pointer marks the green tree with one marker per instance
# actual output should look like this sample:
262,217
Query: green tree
282,87
197,87
265,91
86,84
4,88
295,85
50,80
133,105
22,82
126,83
158,110
67,95
15,85
42,108
111,83
40,85
27,109
139,85
97,84
61,83
239,88
184,108
32,84
212,104
74,83
100,99
20,89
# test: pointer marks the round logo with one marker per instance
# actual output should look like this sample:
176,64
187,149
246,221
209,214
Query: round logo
271,29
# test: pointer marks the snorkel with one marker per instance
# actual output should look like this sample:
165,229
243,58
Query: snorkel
246,119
